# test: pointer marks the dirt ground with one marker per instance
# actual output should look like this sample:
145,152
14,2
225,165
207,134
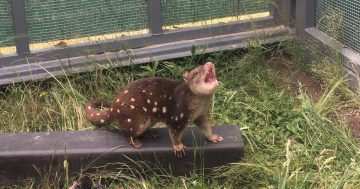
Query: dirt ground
294,78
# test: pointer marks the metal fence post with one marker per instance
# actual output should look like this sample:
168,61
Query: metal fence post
305,16
154,16
283,11
20,29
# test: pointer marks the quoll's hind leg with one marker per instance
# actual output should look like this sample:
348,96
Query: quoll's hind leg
204,125
176,135
133,128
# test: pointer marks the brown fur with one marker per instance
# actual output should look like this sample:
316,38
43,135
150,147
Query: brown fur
147,101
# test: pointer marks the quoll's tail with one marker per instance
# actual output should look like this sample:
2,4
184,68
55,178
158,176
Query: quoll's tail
95,116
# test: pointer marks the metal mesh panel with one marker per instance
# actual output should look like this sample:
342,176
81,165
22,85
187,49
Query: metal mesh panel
340,19
184,11
50,20
6,28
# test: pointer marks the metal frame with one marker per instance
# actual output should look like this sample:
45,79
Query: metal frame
133,42
155,23
164,51
158,44
24,65
20,28
305,16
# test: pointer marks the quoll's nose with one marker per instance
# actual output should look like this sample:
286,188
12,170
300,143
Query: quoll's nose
209,64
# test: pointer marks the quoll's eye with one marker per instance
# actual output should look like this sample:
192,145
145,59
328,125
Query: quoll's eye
195,74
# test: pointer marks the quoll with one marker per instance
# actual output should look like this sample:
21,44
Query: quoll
146,101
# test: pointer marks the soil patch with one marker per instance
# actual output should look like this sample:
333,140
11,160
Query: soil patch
291,76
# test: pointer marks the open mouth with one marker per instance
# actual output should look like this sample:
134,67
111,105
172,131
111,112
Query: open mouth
210,76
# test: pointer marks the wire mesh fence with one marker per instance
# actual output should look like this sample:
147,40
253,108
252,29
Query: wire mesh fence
341,20
51,22
177,12
6,28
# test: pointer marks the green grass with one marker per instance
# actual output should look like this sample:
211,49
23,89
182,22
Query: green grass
290,141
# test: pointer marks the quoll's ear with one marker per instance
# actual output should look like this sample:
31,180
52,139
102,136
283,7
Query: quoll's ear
186,76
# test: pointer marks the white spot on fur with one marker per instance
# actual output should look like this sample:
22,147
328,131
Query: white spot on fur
144,109
122,104
165,96
126,91
129,120
169,97
181,115
89,107
118,100
164,109
176,118
151,93
98,114
155,103
91,115
131,129
111,109
132,107
172,117
154,109
108,115
102,121
143,91
132,99
118,110
148,101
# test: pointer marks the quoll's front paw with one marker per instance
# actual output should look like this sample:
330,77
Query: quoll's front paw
215,138
179,150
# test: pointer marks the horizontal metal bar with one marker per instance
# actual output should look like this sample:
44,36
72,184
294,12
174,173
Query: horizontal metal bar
21,153
140,41
147,54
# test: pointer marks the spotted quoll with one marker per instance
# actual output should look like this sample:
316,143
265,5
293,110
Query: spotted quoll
147,101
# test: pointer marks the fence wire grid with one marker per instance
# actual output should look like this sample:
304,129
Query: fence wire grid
341,20
49,20
6,27
186,11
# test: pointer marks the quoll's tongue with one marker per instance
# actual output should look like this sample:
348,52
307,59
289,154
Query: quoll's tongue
210,75
209,78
